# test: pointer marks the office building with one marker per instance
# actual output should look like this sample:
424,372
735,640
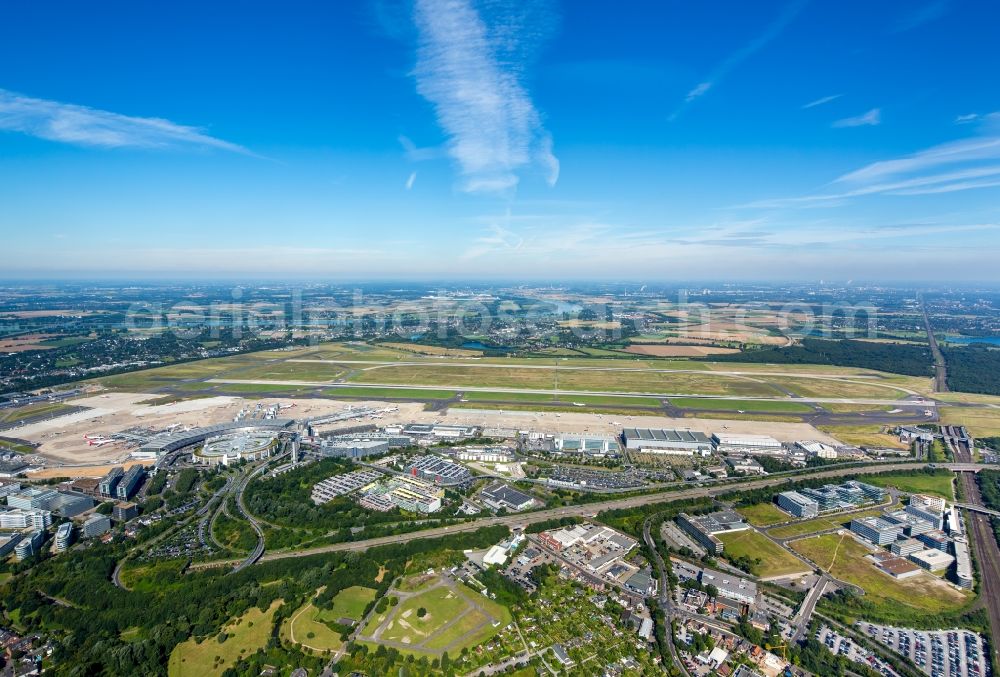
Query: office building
29,545
703,528
932,560
64,537
730,586
353,448
929,508
906,546
68,504
110,482
876,530
20,518
486,454
123,512
130,482
9,488
32,498
798,505
935,540
8,541
96,525
911,525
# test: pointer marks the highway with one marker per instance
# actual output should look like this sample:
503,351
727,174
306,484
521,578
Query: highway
940,368
586,510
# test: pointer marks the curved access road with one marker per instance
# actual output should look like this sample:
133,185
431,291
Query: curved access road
588,510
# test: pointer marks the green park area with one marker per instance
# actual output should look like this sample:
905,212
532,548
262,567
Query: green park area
811,526
435,615
763,557
918,483
211,656
316,629
764,514
844,558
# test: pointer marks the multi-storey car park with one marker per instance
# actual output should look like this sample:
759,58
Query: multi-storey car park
341,485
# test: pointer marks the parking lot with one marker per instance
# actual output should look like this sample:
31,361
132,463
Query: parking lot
939,653
843,646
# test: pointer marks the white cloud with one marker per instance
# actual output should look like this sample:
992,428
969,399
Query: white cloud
84,126
966,119
822,100
773,30
410,180
869,119
493,128
953,152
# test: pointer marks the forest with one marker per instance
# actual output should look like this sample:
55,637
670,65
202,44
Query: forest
973,369
896,358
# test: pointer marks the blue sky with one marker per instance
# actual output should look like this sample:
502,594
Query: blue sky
500,139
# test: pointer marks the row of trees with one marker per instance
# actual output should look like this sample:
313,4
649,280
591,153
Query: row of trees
897,358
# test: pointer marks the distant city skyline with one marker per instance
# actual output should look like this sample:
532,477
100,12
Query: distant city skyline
503,140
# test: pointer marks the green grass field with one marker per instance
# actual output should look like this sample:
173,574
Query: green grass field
918,483
441,604
32,410
389,393
843,557
308,625
741,405
246,634
562,398
764,514
811,526
863,435
774,560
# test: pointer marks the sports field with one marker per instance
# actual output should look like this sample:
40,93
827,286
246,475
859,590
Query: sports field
845,559
245,635
773,562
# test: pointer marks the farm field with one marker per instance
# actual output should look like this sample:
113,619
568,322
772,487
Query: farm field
774,561
843,557
246,634
918,483
764,514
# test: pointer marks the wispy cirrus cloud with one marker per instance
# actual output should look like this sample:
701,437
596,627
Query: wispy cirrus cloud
773,30
870,119
85,126
410,180
822,100
470,66
922,15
